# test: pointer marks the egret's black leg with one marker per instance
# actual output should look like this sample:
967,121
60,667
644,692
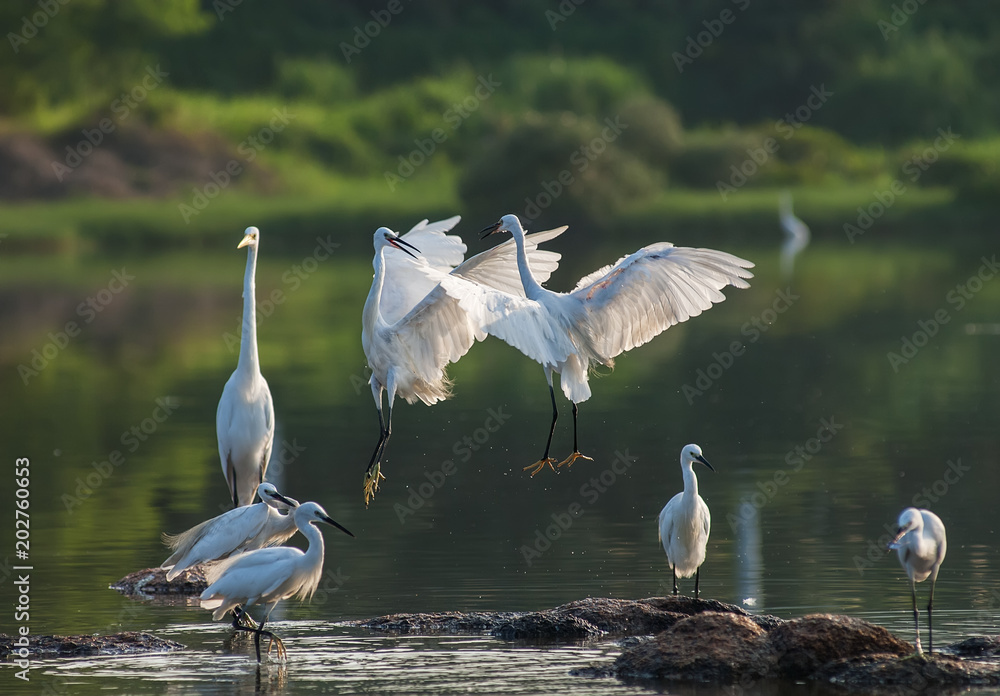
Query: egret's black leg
568,461
373,474
930,619
916,622
382,434
546,459
697,576
673,572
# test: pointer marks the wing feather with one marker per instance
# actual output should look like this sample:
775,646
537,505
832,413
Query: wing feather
497,267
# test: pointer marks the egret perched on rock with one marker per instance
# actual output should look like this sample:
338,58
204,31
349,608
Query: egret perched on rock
921,544
411,329
610,311
267,576
244,422
796,234
685,522
267,523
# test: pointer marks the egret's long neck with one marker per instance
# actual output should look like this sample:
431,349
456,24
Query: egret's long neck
531,287
314,554
370,314
249,360
690,480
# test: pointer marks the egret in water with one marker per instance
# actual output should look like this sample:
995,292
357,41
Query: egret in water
412,329
685,522
796,234
610,311
267,523
244,422
921,544
267,576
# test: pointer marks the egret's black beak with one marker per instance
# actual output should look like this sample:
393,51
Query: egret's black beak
336,524
286,501
492,229
704,461
401,244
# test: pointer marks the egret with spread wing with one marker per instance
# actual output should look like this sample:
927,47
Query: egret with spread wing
612,310
685,522
244,422
921,545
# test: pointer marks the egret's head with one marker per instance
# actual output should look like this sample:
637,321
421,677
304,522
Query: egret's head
386,237
308,513
692,453
270,496
909,520
508,223
251,237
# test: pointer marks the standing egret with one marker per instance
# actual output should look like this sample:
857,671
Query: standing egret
412,329
685,523
610,311
244,422
267,576
796,234
267,523
921,544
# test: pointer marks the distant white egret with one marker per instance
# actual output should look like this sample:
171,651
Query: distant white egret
610,311
244,422
685,522
921,544
796,234
267,576
411,329
267,523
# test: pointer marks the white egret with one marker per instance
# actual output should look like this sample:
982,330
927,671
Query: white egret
267,576
412,329
244,422
610,311
796,234
267,523
921,544
685,522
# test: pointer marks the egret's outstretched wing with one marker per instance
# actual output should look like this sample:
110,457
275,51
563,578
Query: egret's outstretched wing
407,279
213,539
441,251
649,291
497,267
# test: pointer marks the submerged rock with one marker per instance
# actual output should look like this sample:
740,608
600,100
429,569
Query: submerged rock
907,675
153,581
128,643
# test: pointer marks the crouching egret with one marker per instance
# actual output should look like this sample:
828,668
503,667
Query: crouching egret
411,329
267,523
244,422
921,544
267,576
685,522
610,311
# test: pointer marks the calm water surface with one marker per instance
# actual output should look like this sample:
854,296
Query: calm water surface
819,439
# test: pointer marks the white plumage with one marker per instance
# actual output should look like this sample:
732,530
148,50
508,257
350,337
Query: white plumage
244,422
685,522
267,523
796,234
921,545
267,576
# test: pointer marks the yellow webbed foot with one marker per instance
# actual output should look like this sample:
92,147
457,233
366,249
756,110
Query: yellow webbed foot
539,465
372,477
568,461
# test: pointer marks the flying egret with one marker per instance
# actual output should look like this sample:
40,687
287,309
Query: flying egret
921,544
685,522
267,576
610,311
412,329
267,523
244,422
796,233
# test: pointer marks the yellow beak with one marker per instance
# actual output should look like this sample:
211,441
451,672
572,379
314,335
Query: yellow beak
248,239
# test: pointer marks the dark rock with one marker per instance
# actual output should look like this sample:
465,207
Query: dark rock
128,643
153,581
979,646
546,626
907,675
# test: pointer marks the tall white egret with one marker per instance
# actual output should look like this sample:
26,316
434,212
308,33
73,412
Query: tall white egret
685,522
267,576
412,329
610,311
921,544
796,234
267,523
244,422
